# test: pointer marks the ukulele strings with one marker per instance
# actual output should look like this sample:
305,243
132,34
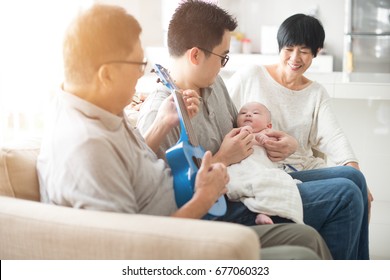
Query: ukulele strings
188,126
186,119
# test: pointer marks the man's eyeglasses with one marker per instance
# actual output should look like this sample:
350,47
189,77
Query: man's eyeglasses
141,65
224,59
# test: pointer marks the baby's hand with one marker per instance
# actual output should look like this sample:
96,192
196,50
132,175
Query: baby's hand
262,137
247,128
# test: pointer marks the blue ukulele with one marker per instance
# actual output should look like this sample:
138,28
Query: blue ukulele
185,156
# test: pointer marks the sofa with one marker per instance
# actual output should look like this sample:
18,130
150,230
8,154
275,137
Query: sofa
30,229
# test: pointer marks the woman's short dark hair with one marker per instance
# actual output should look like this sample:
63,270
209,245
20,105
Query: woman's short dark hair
301,29
197,24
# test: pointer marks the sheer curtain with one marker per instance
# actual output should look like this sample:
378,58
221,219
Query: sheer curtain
30,62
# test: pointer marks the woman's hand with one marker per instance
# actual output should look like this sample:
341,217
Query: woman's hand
370,200
281,148
369,194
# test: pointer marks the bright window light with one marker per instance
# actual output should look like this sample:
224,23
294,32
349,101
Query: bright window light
30,61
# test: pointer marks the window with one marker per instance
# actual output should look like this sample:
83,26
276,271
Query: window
30,62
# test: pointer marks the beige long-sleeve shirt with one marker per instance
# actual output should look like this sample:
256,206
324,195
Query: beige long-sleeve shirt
93,159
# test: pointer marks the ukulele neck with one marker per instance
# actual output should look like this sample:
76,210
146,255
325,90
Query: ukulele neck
185,122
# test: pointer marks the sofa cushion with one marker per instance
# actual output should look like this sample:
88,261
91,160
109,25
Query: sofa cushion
18,175
33,230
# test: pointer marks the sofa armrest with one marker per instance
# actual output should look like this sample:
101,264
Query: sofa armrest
32,230
18,175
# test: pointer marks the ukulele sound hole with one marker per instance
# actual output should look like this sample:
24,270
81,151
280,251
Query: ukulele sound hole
197,161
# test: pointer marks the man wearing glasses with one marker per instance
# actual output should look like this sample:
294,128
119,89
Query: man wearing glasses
91,157
224,58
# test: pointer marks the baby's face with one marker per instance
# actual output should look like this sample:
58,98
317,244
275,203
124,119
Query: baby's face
255,115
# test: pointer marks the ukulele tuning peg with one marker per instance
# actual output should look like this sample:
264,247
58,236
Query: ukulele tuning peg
158,80
152,70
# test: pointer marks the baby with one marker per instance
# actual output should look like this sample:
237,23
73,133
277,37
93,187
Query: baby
256,181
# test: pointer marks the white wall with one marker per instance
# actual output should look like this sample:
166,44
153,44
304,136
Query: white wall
367,125
251,15
149,15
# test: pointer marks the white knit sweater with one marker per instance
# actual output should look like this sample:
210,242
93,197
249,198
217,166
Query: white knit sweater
304,114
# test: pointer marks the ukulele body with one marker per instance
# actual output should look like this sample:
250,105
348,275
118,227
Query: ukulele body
182,160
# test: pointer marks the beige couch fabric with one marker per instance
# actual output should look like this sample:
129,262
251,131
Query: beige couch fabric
33,230
18,177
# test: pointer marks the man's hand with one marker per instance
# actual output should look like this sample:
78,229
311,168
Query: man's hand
211,179
165,120
210,184
167,113
191,100
137,101
236,146
279,149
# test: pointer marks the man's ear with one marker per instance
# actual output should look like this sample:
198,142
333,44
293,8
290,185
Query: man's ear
194,55
104,75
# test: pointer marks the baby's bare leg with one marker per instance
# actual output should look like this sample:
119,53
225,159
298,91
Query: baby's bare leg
262,219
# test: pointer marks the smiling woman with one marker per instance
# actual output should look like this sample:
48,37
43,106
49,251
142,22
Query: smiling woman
30,56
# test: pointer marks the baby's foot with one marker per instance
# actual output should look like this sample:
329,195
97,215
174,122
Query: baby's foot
262,219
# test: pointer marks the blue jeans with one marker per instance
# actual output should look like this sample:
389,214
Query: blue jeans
335,203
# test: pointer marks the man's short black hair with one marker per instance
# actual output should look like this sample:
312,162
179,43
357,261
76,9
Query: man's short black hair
197,24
